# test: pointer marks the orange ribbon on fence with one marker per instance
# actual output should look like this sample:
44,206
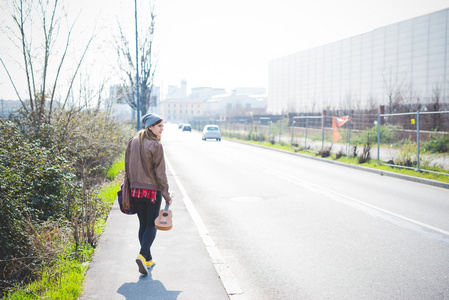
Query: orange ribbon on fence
337,123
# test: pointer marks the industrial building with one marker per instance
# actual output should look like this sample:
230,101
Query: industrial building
402,63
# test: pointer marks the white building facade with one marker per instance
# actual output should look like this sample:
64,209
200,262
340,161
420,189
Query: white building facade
181,110
406,61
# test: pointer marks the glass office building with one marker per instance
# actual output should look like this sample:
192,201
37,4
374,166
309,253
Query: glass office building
405,61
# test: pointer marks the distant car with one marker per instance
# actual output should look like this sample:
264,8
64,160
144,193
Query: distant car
187,127
180,125
211,132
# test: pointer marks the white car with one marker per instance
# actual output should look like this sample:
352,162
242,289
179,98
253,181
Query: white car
211,132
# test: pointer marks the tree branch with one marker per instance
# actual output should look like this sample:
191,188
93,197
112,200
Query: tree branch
20,22
14,86
52,96
77,69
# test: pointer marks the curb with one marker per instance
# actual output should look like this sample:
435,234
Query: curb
362,168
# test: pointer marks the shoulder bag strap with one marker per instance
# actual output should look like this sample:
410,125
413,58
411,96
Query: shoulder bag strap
128,150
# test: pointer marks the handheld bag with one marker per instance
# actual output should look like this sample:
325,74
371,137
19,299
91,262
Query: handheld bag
125,203
124,195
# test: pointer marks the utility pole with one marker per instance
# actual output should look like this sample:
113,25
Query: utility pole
137,69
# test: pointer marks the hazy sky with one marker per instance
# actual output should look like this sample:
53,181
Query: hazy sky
228,44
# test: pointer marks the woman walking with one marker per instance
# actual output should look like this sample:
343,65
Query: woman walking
148,181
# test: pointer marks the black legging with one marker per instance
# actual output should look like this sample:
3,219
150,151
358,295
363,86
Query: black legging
147,213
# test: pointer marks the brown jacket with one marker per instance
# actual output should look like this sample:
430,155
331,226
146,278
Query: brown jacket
154,158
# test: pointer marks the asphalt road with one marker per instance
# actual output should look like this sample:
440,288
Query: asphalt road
295,228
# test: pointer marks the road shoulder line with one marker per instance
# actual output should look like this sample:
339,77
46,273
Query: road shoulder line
224,271
421,228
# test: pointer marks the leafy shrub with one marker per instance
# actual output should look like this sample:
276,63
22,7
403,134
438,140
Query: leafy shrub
90,141
339,154
408,156
354,151
366,154
437,145
48,174
262,137
325,152
36,186
388,134
252,136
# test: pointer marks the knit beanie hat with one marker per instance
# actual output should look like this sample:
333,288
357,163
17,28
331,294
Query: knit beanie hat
150,119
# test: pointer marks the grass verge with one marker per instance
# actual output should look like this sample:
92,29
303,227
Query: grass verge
353,161
116,168
63,280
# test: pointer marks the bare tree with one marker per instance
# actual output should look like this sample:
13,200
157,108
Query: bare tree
292,106
35,33
393,85
373,103
146,62
436,106
348,102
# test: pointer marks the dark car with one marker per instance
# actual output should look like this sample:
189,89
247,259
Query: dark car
187,127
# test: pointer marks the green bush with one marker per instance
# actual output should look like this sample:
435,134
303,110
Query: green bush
325,152
339,154
48,174
365,156
437,145
408,156
62,278
35,186
388,134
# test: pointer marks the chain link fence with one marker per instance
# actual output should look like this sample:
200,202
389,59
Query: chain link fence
416,140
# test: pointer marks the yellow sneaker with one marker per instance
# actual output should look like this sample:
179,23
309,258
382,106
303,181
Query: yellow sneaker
150,264
141,262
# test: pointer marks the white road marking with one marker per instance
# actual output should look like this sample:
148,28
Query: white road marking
224,271
397,219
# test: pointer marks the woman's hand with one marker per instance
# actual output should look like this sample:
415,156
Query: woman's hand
170,200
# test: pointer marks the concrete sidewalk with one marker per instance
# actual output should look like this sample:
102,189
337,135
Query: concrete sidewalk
184,268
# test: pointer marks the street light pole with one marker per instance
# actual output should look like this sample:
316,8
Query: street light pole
137,70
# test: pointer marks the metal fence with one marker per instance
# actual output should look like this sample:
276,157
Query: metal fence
415,140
